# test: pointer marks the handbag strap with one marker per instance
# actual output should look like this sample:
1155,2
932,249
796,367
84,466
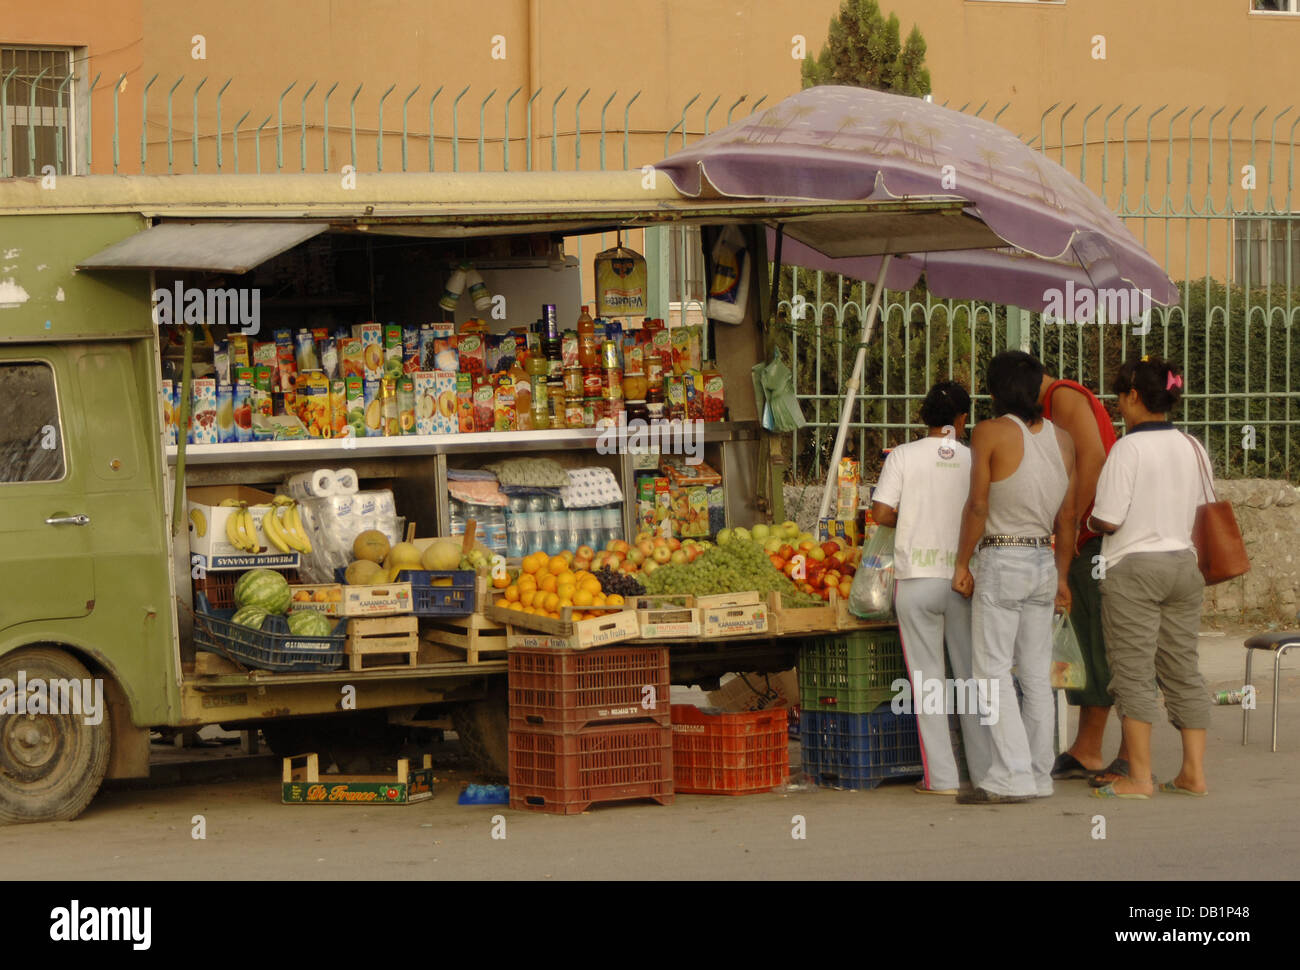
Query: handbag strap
1207,477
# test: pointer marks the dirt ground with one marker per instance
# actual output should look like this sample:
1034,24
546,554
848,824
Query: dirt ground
1244,830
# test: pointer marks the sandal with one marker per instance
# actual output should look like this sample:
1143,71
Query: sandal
1119,768
1169,788
1067,766
1108,791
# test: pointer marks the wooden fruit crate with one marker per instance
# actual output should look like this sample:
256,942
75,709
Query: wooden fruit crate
795,621
732,615
303,786
383,639
844,620
667,617
614,625
471,639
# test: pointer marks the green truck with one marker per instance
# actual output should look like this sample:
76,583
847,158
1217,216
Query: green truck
96,582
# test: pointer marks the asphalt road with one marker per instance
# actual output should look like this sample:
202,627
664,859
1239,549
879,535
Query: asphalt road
1244,830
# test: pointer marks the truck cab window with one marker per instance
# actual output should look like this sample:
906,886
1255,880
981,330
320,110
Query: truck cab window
31,440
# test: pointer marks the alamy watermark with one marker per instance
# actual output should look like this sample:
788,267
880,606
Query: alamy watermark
946,696
1083,305
234,306
638,437
82,698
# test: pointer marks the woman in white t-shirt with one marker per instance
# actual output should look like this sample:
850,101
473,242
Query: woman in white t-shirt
1151,588
921,492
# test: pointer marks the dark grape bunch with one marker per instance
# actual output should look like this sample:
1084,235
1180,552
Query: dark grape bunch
616,582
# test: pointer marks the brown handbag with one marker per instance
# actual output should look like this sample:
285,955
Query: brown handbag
1220,549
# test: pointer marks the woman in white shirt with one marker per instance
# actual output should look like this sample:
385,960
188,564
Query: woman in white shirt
1151,589
921,493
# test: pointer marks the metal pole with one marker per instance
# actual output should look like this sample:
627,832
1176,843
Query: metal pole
851,389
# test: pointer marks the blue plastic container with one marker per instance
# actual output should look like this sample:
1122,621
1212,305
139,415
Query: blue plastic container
859,750
271,648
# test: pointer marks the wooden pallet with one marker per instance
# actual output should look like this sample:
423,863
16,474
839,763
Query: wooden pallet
470,639
382,641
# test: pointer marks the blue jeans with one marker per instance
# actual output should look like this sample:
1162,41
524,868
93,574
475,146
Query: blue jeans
1011,625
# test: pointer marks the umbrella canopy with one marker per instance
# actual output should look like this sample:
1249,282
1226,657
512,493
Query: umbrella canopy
843,143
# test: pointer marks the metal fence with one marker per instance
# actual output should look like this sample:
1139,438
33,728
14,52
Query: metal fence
1208,191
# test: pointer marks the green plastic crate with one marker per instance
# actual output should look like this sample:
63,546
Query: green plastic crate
852,673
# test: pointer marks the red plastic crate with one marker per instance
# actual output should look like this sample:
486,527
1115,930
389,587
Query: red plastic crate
729,754
566,773
567,690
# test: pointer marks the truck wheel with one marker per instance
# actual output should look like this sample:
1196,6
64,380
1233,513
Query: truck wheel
51,765
483,727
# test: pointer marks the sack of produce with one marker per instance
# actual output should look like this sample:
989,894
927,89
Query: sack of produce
872,595
1068,671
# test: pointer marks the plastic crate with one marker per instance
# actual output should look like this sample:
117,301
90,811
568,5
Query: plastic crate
458,599
859,750
219,588
564,774
271,648
729,754
851,673
566,690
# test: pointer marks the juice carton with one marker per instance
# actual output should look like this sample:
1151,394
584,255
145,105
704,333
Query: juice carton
372,350
392,350
446,419
350,360
203,412
327,352
389,408
502,351
472,352
847,495
243,403
464,404
505,418
717,509
662,346
169,412
410,350
405,405
304,351
445,355
373,396
674,397
221,361
426,401
313,403
264,356
715,396
338,408
286,365
633,357
240,351
427,351
663,508
484,403
355,396
694,395
263,386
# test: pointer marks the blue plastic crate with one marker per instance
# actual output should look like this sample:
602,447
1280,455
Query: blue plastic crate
458,599
859,750
273,647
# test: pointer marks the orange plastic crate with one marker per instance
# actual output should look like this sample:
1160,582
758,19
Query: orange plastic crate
568,690
566,773
729,754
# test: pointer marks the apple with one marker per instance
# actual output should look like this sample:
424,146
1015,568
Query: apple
816,553
660,542
679,557
614,561
825,595
584,552
807,588
629,568
674,544
830,547
777,561
830,578
725,536
579,565
789,568
789,529
662,554
845,586
636,556
786,551
619,546
772,546
648,567
761,532
742,535
806,545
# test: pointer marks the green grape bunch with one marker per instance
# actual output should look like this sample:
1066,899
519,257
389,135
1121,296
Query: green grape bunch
737,567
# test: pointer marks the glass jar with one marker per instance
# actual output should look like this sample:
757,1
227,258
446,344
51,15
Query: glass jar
636,411
634,386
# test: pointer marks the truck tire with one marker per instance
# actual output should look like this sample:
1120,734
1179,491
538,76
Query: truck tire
51,765
483,727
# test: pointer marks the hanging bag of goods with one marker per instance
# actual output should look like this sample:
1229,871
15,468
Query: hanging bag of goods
620,283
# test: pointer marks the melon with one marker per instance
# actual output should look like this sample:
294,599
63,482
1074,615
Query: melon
372,545
309,623
265,588
363,572
250,616
404,555
442,554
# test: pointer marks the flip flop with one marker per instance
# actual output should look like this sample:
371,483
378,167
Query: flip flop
1169,788
922,790
1108,791
1119,768
1067,766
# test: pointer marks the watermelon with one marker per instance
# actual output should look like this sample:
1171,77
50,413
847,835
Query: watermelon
309,623
250,616
265,588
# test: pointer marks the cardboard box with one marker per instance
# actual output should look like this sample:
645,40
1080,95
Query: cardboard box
732,616
757,692
387,599
213,549
846,529
303,785
664,617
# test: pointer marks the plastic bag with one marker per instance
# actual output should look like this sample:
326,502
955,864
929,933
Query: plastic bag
774,395
1067,659
872,595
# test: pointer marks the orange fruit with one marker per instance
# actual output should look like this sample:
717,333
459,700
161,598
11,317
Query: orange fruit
530,564
613,599
582,597
527,597
512,593
500,582
557,565
549,583
517,606
592,585
566,577
566,590
564,601
527,581
551,602
600,600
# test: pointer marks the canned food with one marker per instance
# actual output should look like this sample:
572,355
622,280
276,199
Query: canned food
592,382
573,383
609,355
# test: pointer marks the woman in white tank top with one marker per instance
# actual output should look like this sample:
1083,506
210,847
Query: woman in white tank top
1021,498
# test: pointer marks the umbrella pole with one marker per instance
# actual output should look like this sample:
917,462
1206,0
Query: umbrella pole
851,390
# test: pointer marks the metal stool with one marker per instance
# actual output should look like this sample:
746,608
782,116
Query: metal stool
1279,643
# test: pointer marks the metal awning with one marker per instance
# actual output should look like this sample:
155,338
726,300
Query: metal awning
216,247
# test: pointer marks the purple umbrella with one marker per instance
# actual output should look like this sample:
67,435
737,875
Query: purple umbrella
1066,253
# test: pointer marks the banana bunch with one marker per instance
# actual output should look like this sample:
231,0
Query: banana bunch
282,524
241,530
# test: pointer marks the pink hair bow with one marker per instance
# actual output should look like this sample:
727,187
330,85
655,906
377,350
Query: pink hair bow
1174,380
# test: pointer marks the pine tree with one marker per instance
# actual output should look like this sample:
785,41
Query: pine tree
865,50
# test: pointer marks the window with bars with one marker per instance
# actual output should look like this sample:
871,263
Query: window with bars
1266,252
38,125
1276,6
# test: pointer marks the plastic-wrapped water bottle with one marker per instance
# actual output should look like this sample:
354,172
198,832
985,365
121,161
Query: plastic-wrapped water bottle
575,534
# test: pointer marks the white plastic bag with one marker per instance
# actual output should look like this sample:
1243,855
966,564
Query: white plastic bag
1068,671
871,596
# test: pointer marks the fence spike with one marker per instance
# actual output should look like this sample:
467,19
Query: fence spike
707,112
482,108
505,141
7,170
194,135
627,108
455,130
219,94
1083,146
379,133
686,109
555,158
234,138
757,105
1187,199
577,131
352,122
1272,142
734,107
117,89
171,158
602,128
1065,114
405,102
257,144
325,132
433,98
31,127
144,119
302,135
1042,126
279,127
59,165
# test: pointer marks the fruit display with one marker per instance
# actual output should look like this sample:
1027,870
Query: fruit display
309,623
281,524
264,588
621,583
815,567
548,584
735,567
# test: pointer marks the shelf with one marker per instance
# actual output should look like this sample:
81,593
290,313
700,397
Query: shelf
419,445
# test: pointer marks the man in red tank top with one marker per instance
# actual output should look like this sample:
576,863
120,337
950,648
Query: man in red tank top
1076,409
